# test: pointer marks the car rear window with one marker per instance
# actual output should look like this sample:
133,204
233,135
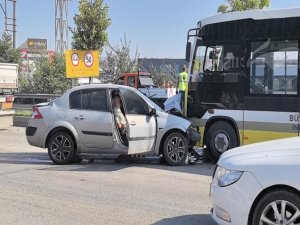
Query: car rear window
89,99
75,100
94,99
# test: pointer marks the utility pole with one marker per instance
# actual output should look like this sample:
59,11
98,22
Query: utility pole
14,24
61,25
8,25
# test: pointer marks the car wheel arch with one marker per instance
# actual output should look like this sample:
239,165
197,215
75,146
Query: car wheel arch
214,119
266,191
161,144
61,129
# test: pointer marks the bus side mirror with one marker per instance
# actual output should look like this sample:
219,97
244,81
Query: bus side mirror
188,51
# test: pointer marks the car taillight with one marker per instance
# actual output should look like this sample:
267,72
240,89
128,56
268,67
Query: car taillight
36,113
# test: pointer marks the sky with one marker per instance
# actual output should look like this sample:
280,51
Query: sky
157,28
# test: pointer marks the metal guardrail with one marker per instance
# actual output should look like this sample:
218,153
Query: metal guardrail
36,96
26,101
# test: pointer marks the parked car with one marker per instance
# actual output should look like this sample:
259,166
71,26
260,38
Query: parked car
258,184
81,124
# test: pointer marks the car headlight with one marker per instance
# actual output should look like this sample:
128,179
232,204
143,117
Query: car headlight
227,177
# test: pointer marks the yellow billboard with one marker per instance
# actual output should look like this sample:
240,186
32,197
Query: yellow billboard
81,63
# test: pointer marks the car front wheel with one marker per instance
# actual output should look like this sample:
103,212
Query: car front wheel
278,207
175,149
61,148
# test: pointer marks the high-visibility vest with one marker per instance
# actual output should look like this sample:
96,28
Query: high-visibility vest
183,81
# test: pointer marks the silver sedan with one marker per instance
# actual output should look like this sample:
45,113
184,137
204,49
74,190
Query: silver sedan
83,123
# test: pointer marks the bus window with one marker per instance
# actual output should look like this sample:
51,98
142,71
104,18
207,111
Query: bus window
232,57
292,71
214,59
274,67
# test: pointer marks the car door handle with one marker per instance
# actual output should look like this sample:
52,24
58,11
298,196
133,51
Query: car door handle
80,117
132,123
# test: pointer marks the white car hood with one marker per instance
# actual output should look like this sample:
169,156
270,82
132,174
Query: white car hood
284,151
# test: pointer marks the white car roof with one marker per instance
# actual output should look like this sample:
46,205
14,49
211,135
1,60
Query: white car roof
254,14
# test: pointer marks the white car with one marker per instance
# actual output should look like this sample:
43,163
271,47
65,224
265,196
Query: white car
258,184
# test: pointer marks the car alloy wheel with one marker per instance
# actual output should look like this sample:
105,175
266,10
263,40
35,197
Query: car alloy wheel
175,149
61,147
280,212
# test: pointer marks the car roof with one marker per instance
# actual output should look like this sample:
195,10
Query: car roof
91,86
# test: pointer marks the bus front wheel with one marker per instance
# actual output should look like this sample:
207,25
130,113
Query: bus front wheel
221,136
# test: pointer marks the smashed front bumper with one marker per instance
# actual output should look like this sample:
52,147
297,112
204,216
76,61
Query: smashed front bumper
193,137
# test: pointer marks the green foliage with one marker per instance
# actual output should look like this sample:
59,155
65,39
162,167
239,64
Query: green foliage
7,53
241,5
91,24
49,77
23,112
119,60
25,84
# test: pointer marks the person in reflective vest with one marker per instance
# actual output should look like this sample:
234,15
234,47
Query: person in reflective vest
182,84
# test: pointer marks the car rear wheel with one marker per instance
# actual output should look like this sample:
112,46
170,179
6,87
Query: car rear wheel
175,149
277,207
61,148
221,136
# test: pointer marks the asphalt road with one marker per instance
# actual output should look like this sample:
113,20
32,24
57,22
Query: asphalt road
34,191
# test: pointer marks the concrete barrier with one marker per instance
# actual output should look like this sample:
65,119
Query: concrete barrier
20,121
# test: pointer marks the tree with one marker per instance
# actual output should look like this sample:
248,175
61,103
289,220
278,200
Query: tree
7,53
119,60
49,77
165,74
91,24
241,5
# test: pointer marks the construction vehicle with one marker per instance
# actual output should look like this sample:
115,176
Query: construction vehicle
8,84
144,83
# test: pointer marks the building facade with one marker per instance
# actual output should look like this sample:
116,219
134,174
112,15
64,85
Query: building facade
31,50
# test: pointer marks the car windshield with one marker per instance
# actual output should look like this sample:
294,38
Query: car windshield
153,104
149,101
146,81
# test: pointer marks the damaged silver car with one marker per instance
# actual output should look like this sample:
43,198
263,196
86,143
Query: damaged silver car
83,123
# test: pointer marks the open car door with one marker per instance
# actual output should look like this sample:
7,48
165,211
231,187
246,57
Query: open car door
141,124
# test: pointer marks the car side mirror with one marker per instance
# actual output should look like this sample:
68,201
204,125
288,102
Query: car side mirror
152,112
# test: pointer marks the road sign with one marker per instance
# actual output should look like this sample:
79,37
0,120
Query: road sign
75,59
88,59
80,63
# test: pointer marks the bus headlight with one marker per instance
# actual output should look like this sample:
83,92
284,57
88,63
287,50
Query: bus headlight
227,177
